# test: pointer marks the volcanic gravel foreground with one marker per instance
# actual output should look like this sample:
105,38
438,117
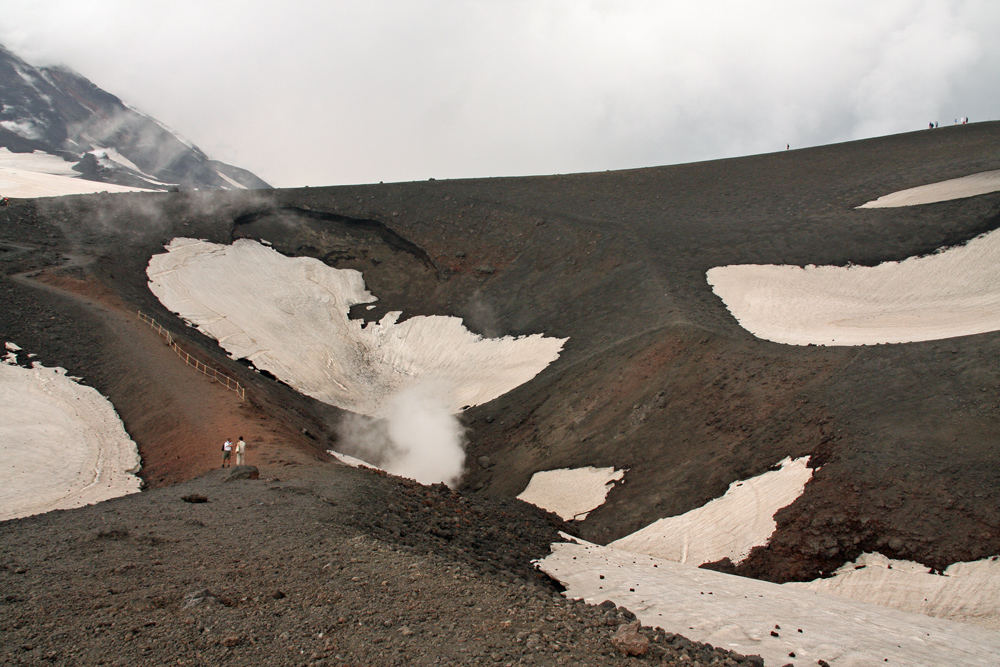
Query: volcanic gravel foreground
315,563
328,566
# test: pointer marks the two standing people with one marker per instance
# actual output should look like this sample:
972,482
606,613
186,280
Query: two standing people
227,450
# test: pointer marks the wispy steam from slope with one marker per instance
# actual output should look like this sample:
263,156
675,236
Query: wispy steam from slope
419,437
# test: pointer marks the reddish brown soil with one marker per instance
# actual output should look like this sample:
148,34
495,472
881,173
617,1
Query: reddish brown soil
178,416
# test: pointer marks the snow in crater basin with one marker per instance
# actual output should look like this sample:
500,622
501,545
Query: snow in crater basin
42,175
741,614
955,292
570,493
955,188
289,316
61,444
965,592
727,527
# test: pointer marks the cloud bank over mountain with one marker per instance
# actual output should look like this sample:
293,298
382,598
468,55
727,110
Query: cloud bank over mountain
324,93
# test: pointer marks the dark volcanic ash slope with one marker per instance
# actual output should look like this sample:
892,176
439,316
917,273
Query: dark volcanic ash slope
659,378
656,376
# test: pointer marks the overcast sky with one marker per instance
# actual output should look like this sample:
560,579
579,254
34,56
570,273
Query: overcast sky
320,92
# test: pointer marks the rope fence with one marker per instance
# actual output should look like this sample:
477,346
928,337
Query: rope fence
221,378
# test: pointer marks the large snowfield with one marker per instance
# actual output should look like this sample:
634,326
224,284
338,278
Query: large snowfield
727,527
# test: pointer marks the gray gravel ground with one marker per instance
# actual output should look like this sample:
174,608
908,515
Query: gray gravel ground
302,571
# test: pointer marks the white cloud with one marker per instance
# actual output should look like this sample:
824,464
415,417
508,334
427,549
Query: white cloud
336,92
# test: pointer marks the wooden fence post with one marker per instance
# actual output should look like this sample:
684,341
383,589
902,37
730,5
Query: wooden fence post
198,366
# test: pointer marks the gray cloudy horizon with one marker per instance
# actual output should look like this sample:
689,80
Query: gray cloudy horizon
326,93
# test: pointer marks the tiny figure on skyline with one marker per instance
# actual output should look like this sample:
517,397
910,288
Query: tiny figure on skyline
227,450
241,448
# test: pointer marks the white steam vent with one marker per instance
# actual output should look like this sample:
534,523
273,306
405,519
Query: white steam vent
419,437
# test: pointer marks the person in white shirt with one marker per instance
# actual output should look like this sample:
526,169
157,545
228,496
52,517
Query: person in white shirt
241,448
227,450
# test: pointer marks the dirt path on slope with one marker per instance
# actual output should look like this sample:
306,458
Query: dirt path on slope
177,416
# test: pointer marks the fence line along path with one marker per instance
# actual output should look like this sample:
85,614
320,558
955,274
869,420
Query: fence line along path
221,378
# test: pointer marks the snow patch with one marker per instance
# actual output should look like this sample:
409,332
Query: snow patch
61,444
965,592
113,155
727,527
22,128
757,617
290,316
956,188
350,460
236,185
955,292
39,174
571,493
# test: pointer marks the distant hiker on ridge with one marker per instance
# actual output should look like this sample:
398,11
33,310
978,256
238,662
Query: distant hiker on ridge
227,450
241,448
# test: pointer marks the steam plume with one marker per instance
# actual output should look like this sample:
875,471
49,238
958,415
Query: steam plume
419,437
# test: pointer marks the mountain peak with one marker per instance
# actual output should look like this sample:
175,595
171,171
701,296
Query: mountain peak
58,111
